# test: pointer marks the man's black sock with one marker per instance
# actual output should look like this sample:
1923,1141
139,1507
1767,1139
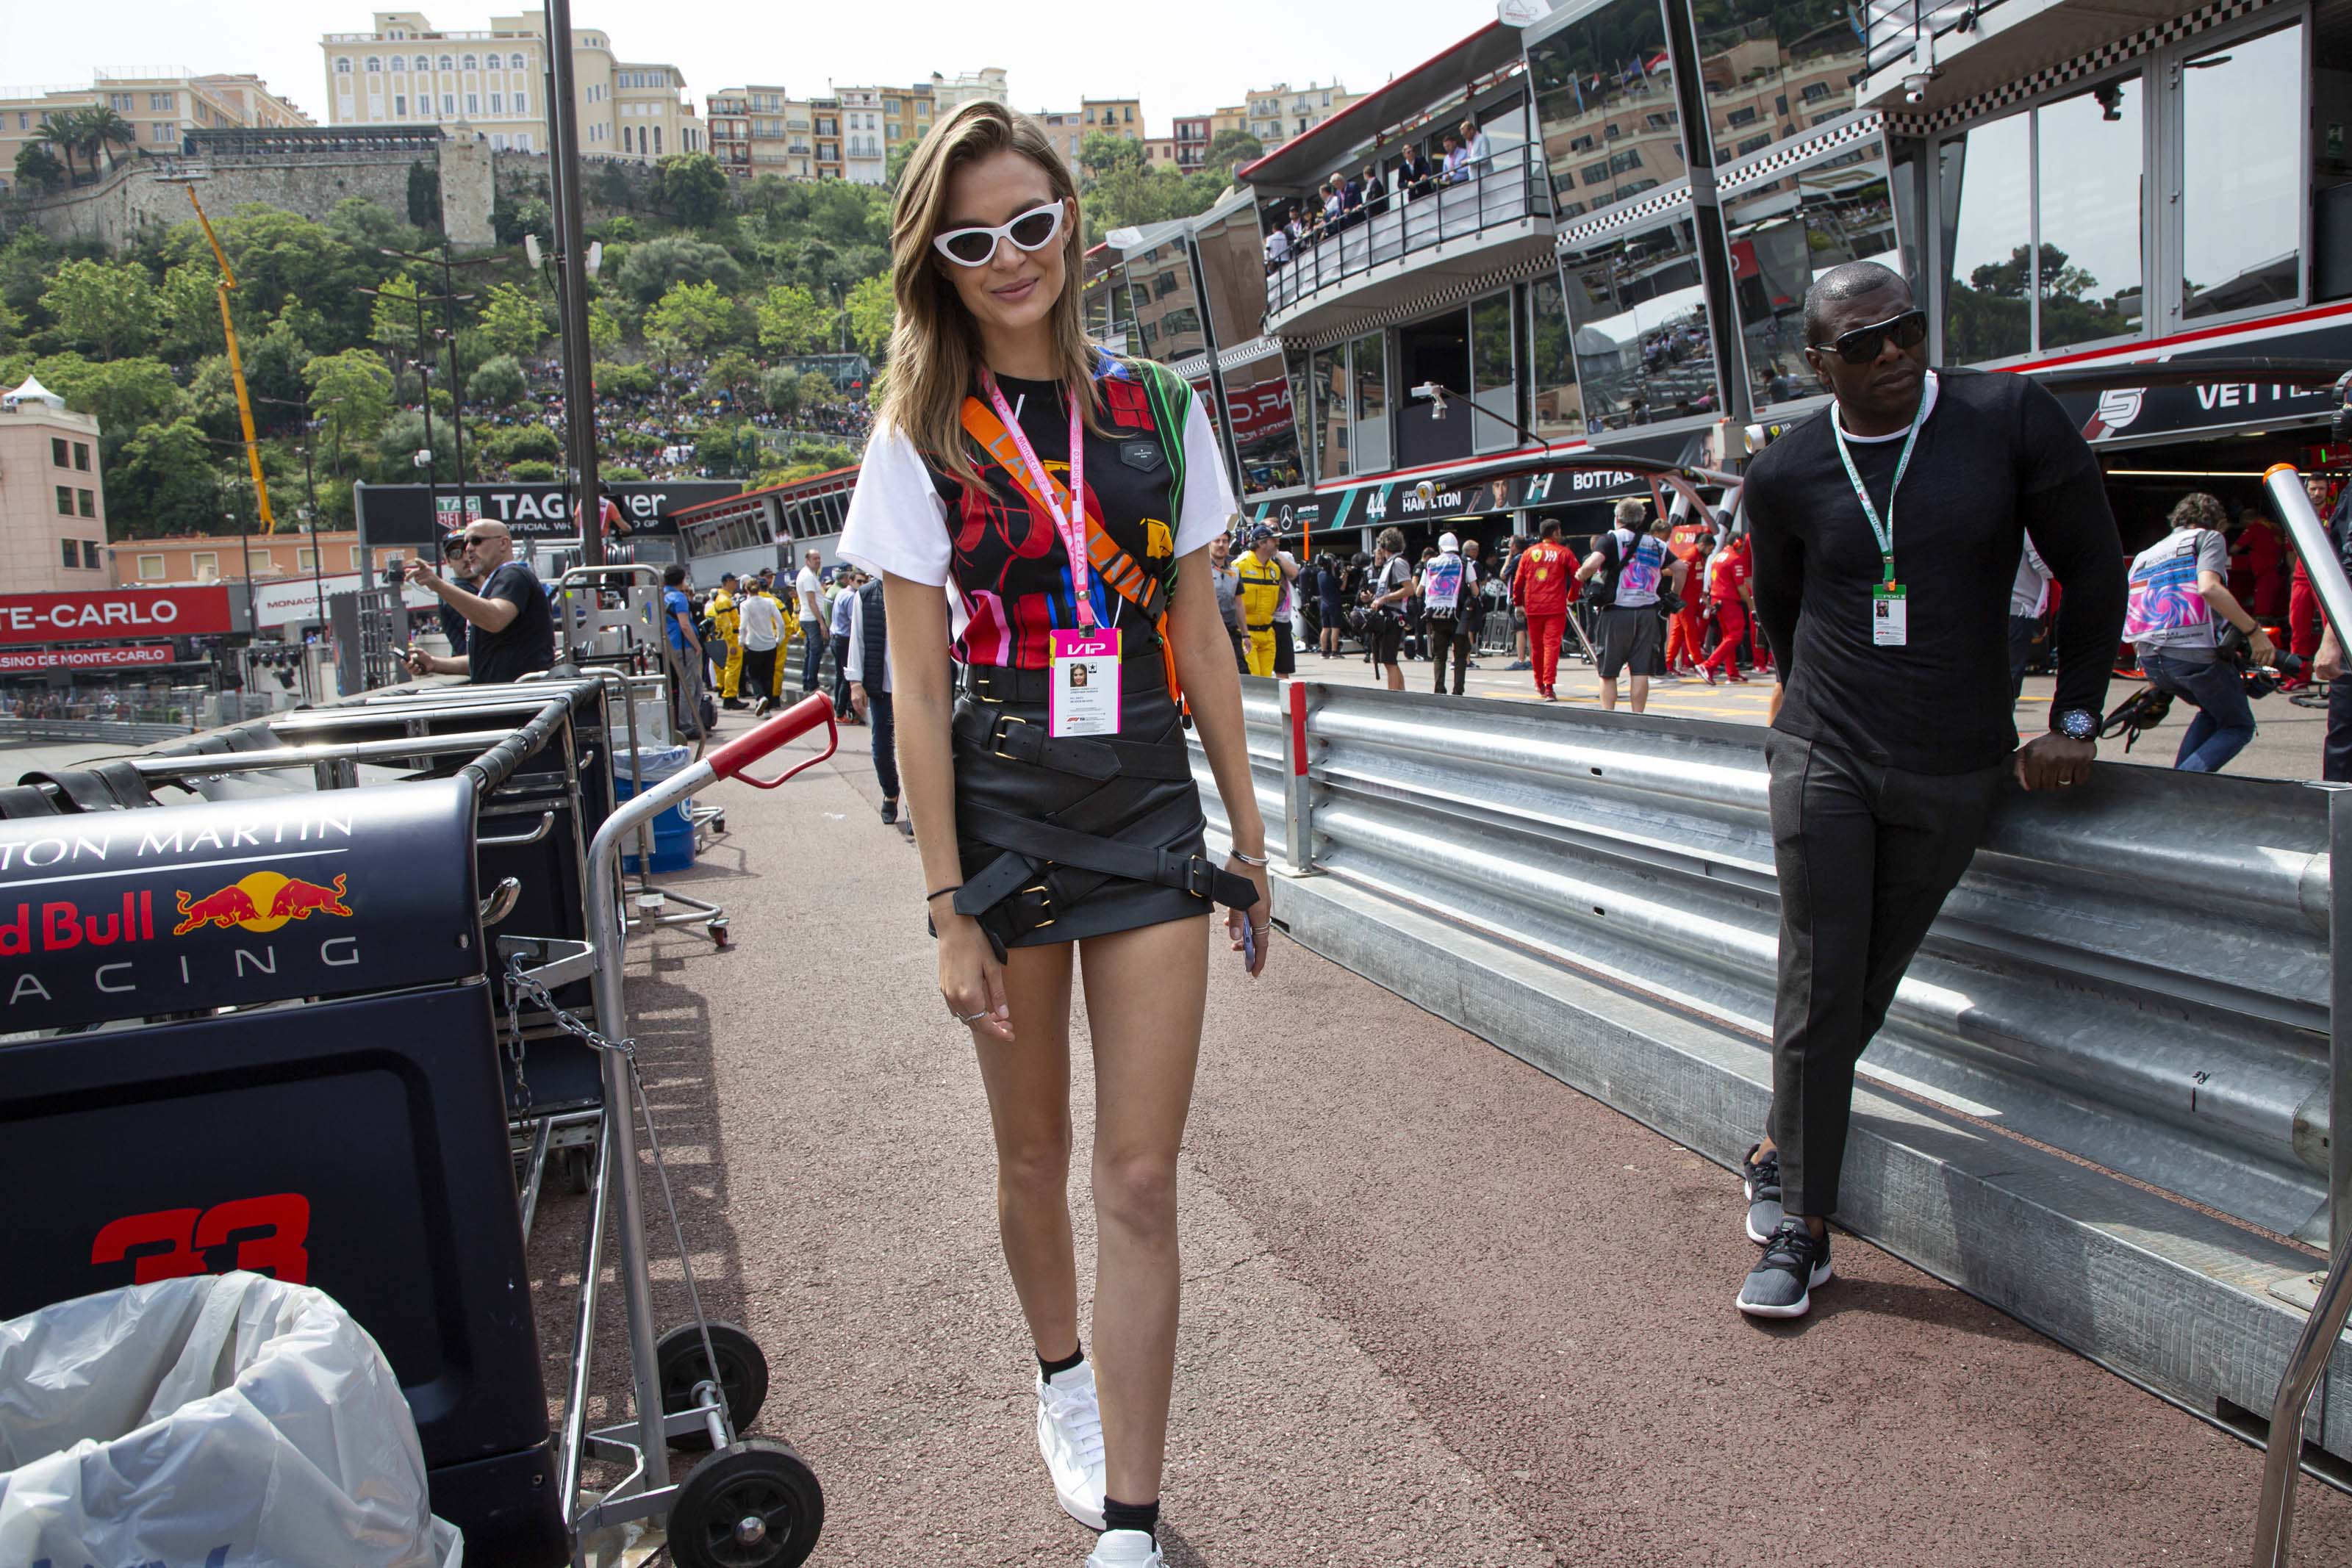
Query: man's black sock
1142,1516
1047,1369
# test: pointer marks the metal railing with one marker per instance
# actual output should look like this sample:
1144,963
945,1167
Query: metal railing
1507,187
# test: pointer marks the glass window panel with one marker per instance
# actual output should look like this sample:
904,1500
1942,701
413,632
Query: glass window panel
1233,275
1988,235
1639,310
1491,386
1329,377
1259,412
2241,210
2087,151
1370,401
1758,57
2331,153
1785,236
1553,406
1606,75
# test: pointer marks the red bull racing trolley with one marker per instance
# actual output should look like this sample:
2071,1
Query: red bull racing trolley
261,1031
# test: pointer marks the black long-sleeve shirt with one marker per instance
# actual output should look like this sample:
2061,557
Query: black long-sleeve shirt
1997,461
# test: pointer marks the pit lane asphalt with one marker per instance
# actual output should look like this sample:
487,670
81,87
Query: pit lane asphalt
1440,1309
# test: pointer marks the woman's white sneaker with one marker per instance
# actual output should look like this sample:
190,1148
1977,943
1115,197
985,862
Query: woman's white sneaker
1070,1436
1126,1549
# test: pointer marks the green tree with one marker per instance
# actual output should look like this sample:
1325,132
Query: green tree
39,169
531,471
1104,152
694,187
603,326
1230,147
98,131
873,312
11,326
188,311
351,392
369,226
165,480
817,388
512,320
623,381
894,167
791,321
425,196
651,269
519,442
497,380
111,308
735,370
781,391
392,317
692,315
121,394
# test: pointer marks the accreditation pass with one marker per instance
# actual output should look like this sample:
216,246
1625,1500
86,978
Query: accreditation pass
1889,618
1084,697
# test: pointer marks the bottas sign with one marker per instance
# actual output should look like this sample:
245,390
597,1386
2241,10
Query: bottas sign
104,614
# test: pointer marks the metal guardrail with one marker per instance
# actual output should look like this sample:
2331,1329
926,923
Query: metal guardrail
110,730
1507,188
2138,976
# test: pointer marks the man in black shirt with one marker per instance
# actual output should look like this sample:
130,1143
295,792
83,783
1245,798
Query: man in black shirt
1892,725
509,631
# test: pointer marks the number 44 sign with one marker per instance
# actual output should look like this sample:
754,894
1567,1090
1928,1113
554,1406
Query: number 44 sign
270,1233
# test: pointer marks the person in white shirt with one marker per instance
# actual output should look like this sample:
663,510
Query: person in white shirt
814,623
762,621
1476,151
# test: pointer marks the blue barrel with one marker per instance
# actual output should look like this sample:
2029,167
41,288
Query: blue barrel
673,828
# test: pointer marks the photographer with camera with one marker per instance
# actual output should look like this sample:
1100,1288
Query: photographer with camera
510,630
1391,584
2179,598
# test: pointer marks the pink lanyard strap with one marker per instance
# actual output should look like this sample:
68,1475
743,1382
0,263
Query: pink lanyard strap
1071,525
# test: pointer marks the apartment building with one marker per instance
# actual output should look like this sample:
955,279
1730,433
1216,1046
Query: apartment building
1189,142
409,72
162,105
223,558
52,501
1279,112
986,82
845,135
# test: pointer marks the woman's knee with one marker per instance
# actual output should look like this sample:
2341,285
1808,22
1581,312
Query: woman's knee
1037,1165
1136,1190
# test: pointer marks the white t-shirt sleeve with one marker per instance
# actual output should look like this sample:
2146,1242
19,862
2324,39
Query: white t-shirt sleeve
1209,508
896,521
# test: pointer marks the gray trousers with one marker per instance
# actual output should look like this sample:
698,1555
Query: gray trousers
1866,856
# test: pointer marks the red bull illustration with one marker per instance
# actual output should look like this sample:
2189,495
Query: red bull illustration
262,901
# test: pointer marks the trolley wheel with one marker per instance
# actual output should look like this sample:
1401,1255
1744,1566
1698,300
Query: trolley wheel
718,934
742,1375
577,1168
718,823
755,1504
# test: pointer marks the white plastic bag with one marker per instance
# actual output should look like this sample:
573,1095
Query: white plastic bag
205,1422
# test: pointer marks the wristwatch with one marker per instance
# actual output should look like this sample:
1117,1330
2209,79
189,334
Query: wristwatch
2076,723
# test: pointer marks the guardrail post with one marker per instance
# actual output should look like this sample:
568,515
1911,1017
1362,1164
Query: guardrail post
2340,1020
1298,792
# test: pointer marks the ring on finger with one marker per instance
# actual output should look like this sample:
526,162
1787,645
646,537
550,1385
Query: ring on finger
971,1018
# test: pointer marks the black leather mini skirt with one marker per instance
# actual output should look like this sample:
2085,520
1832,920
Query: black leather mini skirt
1067,838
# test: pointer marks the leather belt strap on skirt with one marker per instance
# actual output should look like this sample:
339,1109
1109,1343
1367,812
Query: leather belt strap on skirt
1018,740
1027,842
1138,673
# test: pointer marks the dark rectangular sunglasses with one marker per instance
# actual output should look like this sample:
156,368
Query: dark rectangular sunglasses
1862,345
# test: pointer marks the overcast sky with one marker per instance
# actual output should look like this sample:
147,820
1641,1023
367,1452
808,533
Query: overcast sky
1188,57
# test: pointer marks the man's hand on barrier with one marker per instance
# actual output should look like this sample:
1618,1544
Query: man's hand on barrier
2055,762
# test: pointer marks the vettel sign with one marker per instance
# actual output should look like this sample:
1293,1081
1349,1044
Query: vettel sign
130,655
113,612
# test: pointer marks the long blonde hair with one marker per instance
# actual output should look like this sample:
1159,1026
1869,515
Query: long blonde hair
935,346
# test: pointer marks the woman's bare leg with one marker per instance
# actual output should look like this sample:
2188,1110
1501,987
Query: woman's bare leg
1028,1082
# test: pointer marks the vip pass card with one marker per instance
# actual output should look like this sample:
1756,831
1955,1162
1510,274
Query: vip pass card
1084,697
1890,622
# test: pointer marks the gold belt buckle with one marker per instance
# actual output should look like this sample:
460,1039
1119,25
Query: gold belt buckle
996,739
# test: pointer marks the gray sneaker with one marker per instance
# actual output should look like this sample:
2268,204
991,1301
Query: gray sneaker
1763,1180
1781,1285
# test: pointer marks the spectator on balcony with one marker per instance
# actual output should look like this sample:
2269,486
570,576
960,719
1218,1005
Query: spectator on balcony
1277,247
1414,176
1456,156
1376,191
1477,152
1335,204
1352,200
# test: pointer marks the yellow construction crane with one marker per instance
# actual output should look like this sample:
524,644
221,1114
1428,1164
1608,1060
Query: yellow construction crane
237,368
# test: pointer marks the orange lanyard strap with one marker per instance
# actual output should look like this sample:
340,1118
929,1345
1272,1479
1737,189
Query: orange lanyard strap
1147,590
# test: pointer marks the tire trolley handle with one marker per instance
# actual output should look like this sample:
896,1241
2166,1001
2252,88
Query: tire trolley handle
731,760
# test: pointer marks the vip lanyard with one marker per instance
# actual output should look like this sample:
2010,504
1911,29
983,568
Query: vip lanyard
1880,530
1072,526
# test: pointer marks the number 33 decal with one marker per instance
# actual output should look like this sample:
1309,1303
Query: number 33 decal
268,1232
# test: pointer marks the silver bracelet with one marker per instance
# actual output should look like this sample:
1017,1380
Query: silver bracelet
1247,860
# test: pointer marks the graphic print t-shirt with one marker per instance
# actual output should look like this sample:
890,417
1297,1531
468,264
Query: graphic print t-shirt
1000,559
2166,612
1637,581
1441,584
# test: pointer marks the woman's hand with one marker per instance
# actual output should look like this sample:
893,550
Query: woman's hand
970,979
1259,916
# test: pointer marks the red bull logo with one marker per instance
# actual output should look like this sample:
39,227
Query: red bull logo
262,901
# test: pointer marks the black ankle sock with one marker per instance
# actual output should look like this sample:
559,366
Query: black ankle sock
1047,1369
1142,1516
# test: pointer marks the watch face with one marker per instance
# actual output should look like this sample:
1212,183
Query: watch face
2079,725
